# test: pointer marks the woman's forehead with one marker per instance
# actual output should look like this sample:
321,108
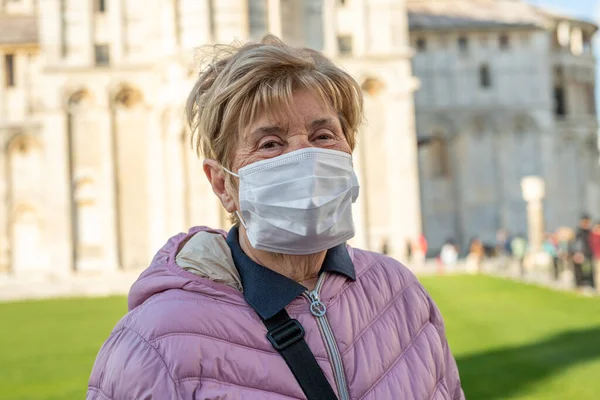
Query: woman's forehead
303,107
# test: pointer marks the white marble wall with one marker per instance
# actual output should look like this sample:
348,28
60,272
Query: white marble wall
519,134
146,183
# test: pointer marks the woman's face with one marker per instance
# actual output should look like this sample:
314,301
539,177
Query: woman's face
311,125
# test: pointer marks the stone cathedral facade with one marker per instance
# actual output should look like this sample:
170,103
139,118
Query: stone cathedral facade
507,90
96,169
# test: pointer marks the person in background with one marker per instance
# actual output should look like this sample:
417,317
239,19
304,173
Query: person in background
475,256
449,254
409,250
385,249
582,254
279,307
518,248
565,237
595,247
550,247
501,240
419,251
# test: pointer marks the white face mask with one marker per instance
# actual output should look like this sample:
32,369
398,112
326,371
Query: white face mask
299,202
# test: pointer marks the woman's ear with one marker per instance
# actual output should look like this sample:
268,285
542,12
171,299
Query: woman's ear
217,178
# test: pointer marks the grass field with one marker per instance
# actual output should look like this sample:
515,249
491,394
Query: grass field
511,341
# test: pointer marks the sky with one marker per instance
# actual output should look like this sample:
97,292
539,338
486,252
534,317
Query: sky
585,9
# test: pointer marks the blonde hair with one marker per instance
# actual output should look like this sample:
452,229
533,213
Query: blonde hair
242,82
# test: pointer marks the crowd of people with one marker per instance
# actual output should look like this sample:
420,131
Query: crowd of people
566,249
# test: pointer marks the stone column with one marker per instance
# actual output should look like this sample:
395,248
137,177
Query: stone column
118,40
533,193
156,179
401,170
359,209
4,212
57,211
329,28
107,200
274,17
360,33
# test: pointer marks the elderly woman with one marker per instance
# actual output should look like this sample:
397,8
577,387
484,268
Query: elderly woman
279,307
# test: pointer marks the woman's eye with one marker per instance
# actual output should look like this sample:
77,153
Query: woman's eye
269,145
324,136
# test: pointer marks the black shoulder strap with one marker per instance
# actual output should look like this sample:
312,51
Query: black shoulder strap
287,337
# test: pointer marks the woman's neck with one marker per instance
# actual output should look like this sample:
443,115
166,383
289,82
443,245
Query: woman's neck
303,269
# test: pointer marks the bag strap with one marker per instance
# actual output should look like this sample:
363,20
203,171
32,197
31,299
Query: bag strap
287,337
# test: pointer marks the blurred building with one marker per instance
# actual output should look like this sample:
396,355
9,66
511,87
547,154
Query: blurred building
507,90
96,170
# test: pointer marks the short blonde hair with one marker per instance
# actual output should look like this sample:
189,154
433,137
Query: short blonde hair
242,82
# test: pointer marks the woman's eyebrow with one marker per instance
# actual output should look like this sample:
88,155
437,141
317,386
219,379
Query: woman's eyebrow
318,123
267,130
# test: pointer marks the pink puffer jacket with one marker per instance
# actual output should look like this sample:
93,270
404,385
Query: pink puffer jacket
188,337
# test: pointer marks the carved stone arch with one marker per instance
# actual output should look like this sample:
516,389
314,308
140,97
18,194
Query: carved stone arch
25,237
24,164
591,143
479,125
85,189
372,86
78,99
434,147
440,125
23,143
22,210
523,123
127,96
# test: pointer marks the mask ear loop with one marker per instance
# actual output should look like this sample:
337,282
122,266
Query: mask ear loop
239,215
231,173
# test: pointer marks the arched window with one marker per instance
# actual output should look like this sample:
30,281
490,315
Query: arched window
372,86
128,97
478,127
25,166
485,79
438,158
26,239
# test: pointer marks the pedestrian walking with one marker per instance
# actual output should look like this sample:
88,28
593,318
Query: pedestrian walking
582,254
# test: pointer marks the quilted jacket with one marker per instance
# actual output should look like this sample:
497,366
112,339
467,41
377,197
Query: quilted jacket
191,335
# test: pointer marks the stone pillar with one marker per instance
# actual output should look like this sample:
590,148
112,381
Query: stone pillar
4,212
107,200
57,211
50,30
156,178
274,17
401,170
360,208
360,33
118,40
329,28
533,193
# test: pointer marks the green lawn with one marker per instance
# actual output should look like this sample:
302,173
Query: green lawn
47,348
511,341
514,341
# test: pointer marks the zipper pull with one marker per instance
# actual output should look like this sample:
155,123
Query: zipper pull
317,307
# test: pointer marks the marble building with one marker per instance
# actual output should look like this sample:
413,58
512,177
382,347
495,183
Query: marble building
507,91
96,170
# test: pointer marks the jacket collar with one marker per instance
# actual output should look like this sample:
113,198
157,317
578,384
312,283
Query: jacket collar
269,292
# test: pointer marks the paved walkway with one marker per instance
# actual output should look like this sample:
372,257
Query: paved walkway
13,288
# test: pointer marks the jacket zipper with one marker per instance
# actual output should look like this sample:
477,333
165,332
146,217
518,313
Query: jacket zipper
318,309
